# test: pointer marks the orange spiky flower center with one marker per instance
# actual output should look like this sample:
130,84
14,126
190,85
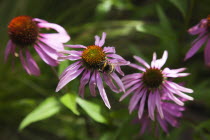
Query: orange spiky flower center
23,31
93,56
152,78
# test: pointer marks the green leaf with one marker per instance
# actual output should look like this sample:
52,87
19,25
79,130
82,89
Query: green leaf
69,100
181,5
92,109
46,109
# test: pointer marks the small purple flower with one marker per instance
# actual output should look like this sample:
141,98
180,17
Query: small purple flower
25,31
202,29
93,62
171,111
149,86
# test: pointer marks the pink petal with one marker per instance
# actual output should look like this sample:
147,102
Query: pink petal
207,53
159,108
92,84
141,61
39,20
97,39
135,99
137,67
163,124
68,78
109,49
102,41
84,80
32,65
195,47
49,51
45,57
102,90
56,27
118,69
109,82
197,28
58,46
56,36
22,59
71,69
75,46
9,49
142,103
135,87
118,81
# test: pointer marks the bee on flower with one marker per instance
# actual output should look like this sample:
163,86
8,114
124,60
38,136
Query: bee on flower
94,63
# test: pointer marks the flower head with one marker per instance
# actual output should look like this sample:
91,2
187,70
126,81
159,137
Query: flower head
93,62
25,31
202,29
171,111
149,86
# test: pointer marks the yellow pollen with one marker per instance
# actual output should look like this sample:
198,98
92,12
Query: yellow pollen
92,56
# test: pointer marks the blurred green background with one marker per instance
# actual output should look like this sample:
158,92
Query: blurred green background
134,27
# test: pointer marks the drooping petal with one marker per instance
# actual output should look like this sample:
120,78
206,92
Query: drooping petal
142,103
45,57
72,68
118,81
32,65
102,90
135,99
22,59
67,78
49,51
9,49
92,84
195,47
58,28
56,45
158,104
109,82
139,85
84,80
207,53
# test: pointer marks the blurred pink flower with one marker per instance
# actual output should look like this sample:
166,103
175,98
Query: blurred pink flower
171,111
202,30
149,86
94,62
25,31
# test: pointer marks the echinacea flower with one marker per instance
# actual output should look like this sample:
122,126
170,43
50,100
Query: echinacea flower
202,29
93,62
171,111
149,85
25,33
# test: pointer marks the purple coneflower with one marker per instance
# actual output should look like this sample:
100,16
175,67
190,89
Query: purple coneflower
93,62
148,87
202,29
25,31
171,111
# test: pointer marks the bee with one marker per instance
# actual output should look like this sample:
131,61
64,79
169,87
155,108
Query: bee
106,66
